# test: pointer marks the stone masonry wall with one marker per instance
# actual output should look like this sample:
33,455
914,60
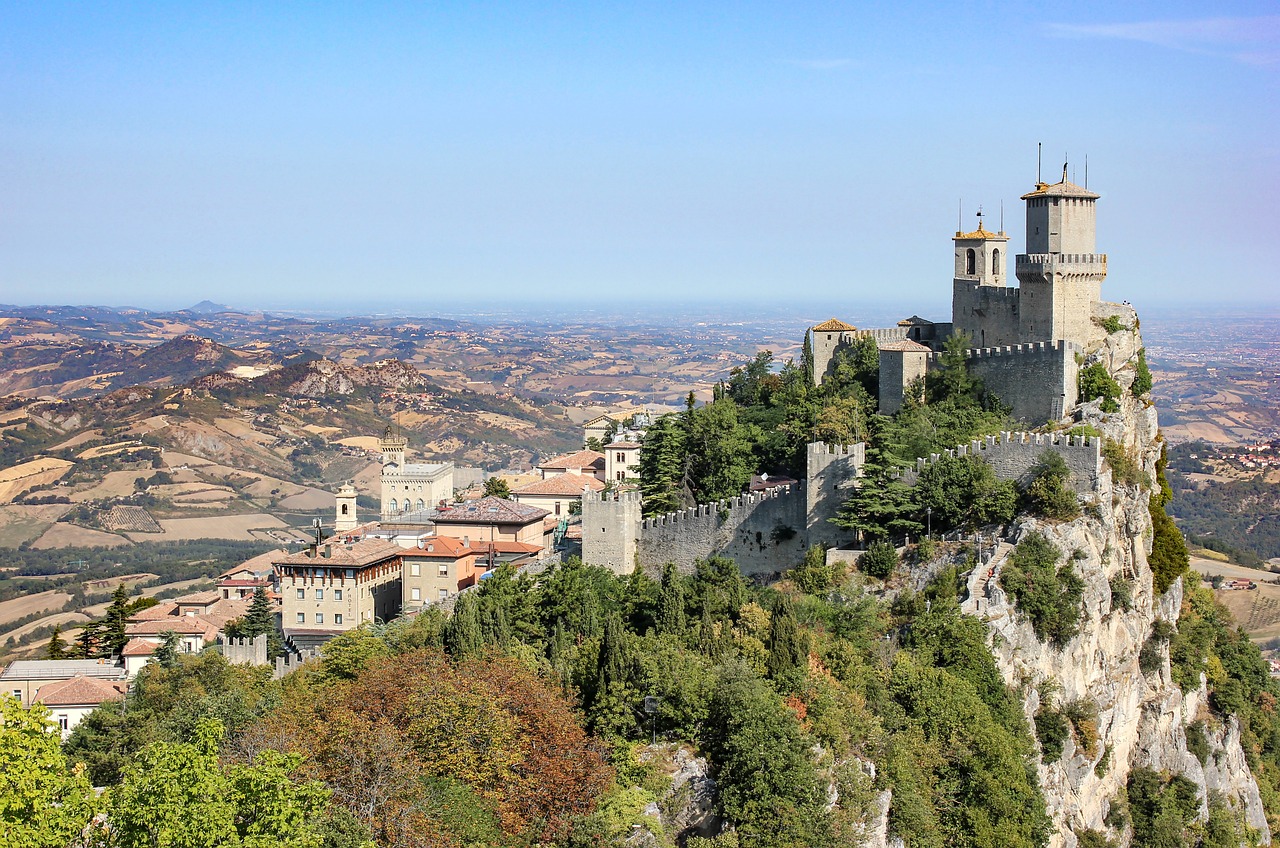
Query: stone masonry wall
989,314
1013,455
1037,381
610,524
825,345
830,471
764,533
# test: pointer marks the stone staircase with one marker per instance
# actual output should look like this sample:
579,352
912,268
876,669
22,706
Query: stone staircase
983,575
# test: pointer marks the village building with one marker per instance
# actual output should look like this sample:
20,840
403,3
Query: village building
240,582
69,701
438,568
560,495
331,588
406,486
583,463
622,462
24,678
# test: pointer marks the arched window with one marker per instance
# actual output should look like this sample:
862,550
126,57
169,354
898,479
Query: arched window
971,262
344,509
420,505
395,505
995,261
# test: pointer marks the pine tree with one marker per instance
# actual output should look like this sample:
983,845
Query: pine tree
462,637
261,617
57,645
166,656
671,603
113,623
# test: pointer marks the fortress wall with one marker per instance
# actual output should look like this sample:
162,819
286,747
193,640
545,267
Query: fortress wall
830,471
1013,455
825,345
238,651
989,314
610,524
763,533
1037,381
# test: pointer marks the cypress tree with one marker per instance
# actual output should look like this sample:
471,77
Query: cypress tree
671,614
113,637
788,650
167,654
261,617
462,637
57,645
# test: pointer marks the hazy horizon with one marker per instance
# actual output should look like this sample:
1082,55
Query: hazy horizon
399,153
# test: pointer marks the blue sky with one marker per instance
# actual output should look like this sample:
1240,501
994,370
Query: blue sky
420,154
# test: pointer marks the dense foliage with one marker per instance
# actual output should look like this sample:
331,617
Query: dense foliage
1168,559
1095,382
1049,595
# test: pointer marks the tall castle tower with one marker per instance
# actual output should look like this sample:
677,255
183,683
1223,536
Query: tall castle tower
393,449
1060,274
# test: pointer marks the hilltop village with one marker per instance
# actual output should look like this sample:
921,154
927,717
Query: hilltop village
931,560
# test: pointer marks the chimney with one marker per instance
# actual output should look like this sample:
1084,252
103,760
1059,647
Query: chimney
327,551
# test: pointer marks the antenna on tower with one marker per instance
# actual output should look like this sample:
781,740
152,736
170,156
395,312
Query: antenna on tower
960,216
1086,170
1002,215
1039,155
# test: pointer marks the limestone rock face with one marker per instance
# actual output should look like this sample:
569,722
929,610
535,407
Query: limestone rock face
1142,719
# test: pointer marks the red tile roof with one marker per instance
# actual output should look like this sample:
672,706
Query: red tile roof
580,459
489,510
136,647
562,484
359,554
79,691
440,547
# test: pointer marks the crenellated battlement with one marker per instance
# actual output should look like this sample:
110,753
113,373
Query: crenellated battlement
1054,260
1054,348
707,510
1014,454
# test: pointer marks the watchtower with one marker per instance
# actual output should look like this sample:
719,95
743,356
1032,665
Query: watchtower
982,304
345,509
393,449
1060,274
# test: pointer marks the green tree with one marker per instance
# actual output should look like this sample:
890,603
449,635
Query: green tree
813,575
788,647
462,636
114,622
963,491
663,483
1096,382
1142,381
1048,493
671,603
879,560
166,656
497,487
952,379
1048,595
43,803
57,648
720,454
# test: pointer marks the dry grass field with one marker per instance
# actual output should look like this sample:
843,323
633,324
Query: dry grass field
73,536
18,478
213,527
63,618
20,524
16,608
114,484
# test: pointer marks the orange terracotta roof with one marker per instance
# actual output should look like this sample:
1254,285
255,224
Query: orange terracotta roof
833,325
440,547
260,564
579,459
182,624
905,345
982,234
355,555
199,599
623,446
137,647
79,691
567,485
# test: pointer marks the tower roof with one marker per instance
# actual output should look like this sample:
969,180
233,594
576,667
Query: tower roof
980,233
834,325
1060,189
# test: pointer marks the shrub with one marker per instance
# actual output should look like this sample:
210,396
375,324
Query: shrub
1104,762
1124,465
814,576
1121,594
880,559
1197,742
1095,382
1052,731
963,491
1083,716
1047,494
1050,597
1142,375
1113,324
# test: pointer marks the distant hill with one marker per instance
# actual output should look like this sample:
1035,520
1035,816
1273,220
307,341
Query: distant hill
207,307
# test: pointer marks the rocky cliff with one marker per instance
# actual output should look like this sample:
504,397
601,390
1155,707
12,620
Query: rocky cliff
1141,718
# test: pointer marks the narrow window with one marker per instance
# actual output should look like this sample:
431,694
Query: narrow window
302,618
395,505
302,594
319,618
995,261
344,509
970,263
337,619
444,569
337,594
319,594
415,594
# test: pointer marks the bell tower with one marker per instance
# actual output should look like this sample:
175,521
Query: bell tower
345,510
393,448
982,305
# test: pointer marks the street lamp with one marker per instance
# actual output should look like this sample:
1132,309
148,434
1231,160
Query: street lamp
928,518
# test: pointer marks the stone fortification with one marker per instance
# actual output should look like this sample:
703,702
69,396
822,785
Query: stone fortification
763,532
987,314
238,651
828,338
1013,455
830,471
1036,381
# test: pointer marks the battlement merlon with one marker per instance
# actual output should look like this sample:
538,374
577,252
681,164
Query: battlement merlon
1013,456
1062,263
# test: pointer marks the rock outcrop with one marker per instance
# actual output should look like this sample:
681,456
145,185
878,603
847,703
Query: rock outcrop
1141,718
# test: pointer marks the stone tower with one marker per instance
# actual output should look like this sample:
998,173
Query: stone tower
982,304
345,516
393,449
1060,274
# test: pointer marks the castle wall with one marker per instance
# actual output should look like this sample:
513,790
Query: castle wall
1013,455
610,528
830,471
825,345
898,368
763,532
1037,381
989,314
1058,295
